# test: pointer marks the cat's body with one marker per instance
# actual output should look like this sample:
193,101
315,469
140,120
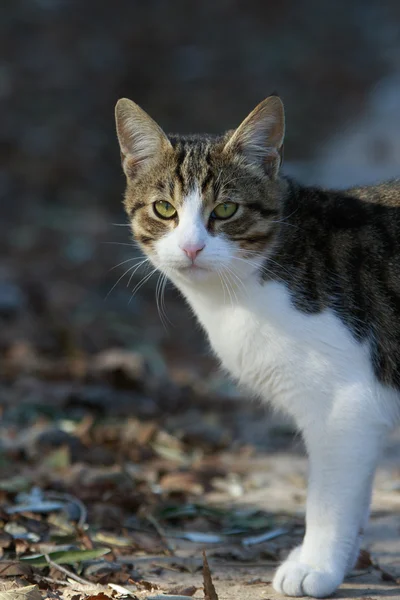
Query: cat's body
298,291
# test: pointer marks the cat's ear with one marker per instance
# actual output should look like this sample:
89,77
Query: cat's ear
141,140
259,138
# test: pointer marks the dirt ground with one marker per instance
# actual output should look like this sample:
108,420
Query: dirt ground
125,453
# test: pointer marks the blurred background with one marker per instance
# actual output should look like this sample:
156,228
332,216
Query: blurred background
77,349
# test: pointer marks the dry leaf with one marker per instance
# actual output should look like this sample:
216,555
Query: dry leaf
209,589
364,560
181,482
5,539
30,592
13,568
150,587
182,591
120,589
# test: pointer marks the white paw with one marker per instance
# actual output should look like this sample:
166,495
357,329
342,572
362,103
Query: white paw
295,578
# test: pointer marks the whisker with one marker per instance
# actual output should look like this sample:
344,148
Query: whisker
232,272
157,294
119,279
141,283
146,260
229,282
125,261
163,306
135,244
222,283
265,259
262,268
227,287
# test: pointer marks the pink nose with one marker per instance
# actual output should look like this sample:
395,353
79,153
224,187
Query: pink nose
193,251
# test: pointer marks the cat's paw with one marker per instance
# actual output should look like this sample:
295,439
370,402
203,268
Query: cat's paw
294,578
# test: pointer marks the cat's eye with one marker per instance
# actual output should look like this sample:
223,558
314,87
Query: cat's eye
164,209
225,210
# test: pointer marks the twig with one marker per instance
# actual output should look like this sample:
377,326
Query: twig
162,534
40,578
66,572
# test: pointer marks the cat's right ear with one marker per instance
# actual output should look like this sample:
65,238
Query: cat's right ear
141,140
259,139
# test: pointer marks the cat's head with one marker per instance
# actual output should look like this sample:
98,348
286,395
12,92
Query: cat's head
202,205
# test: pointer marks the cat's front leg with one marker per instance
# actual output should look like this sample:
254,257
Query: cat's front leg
354,555
343,452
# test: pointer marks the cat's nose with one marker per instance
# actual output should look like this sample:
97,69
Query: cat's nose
192,250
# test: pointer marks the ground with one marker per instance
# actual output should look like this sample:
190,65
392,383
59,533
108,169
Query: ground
121,440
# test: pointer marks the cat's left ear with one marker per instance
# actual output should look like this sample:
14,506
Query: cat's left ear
259,138
141,140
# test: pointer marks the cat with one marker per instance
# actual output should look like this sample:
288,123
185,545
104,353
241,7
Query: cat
298,290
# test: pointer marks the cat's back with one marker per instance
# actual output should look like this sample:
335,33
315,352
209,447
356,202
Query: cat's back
384,194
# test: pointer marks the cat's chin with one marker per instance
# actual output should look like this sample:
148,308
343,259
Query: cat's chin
191,273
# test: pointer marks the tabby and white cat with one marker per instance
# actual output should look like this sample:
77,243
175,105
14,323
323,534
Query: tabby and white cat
298,290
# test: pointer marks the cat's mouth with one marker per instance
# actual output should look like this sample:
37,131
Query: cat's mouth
193,271
193,267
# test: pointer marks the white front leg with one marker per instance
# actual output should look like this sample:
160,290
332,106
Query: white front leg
343,452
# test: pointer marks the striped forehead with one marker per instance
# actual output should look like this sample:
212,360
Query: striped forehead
192,169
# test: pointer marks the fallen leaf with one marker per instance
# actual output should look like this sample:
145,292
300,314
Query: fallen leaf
364,560
263,537
182,482
17,483
150,587
208,586
13,568
41,506
5,539
112,539
201,538
122,590
182,591
30,592
59,459
66,557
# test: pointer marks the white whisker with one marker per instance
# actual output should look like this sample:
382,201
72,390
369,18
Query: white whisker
232,272
144,262
222,283
135,245
125,261
141,283
119,279
163,306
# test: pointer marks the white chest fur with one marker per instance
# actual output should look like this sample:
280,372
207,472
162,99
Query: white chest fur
294,360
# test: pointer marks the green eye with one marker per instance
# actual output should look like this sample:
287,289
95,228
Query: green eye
164,209
225,210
